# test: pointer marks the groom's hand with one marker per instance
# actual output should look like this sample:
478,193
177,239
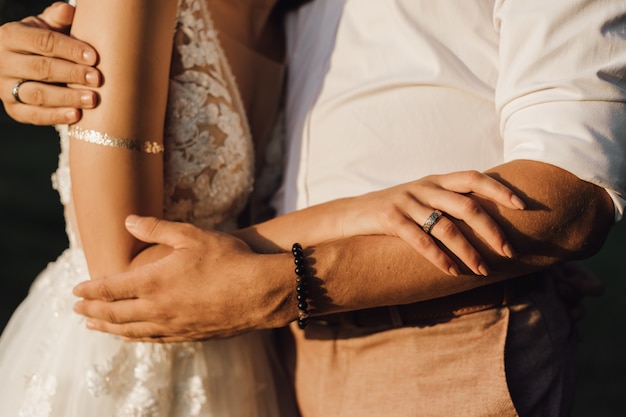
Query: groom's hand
39,49
207,287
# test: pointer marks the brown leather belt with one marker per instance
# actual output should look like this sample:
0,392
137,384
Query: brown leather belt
477,299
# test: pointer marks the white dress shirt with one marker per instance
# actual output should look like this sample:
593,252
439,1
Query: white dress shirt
383,92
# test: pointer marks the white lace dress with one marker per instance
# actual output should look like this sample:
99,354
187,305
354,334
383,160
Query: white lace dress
51,366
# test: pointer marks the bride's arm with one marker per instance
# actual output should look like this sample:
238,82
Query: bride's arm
401,211
134,39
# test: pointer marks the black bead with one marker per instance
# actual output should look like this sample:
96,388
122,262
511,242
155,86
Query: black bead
301,287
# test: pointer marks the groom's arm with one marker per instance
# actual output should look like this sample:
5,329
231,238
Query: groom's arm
213,285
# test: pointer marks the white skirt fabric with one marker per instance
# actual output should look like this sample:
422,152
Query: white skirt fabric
52,366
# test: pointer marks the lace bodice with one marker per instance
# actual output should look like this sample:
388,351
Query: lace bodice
209,155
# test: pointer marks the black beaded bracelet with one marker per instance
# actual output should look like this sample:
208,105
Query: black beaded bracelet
301,285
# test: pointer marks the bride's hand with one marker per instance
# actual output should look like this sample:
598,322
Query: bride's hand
403,210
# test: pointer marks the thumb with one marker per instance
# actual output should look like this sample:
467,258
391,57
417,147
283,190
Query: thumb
58,16
153,230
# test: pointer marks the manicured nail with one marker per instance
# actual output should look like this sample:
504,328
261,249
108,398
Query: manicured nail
131,221
93,78
89,56
88,99
508,250
454,271
517,202
482,268
72,116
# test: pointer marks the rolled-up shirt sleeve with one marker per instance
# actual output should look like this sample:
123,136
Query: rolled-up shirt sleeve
561,92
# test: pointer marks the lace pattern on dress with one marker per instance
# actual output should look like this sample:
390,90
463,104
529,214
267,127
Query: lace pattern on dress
209,153
41,383
136,374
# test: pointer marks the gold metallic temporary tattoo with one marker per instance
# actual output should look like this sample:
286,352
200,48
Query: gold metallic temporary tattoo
99,138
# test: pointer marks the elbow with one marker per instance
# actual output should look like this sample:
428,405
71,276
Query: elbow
576,230
107,260
585,235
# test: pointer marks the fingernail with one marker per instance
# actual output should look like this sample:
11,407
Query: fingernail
87,99
454,271
89,56
482,268
131,221
72,116
508,250
517,202
90,324
93,78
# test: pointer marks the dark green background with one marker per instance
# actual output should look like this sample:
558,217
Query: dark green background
32,234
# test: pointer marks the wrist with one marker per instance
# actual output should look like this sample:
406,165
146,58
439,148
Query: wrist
278,301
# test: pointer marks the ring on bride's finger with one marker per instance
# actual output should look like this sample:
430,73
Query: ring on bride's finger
431,221
16,90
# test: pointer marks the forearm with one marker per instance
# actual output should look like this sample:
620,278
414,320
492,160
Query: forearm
309,226
565,219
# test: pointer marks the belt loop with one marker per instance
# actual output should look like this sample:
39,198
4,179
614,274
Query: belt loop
396,317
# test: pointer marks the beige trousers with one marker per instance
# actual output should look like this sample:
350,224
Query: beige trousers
516,360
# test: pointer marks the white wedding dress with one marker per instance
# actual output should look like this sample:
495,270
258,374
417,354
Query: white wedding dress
52,366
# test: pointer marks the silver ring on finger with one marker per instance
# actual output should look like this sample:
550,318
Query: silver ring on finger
431,221
16,91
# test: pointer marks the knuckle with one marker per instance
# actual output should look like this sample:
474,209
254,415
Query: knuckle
447,229
75,52
423,242
405,198
387,214
110,316
68,98
150,286
77,74
37,96
474,175
45,42
105,293
43,117
152,226
186,231
492,231
470,207
129,333
162,316
41,68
